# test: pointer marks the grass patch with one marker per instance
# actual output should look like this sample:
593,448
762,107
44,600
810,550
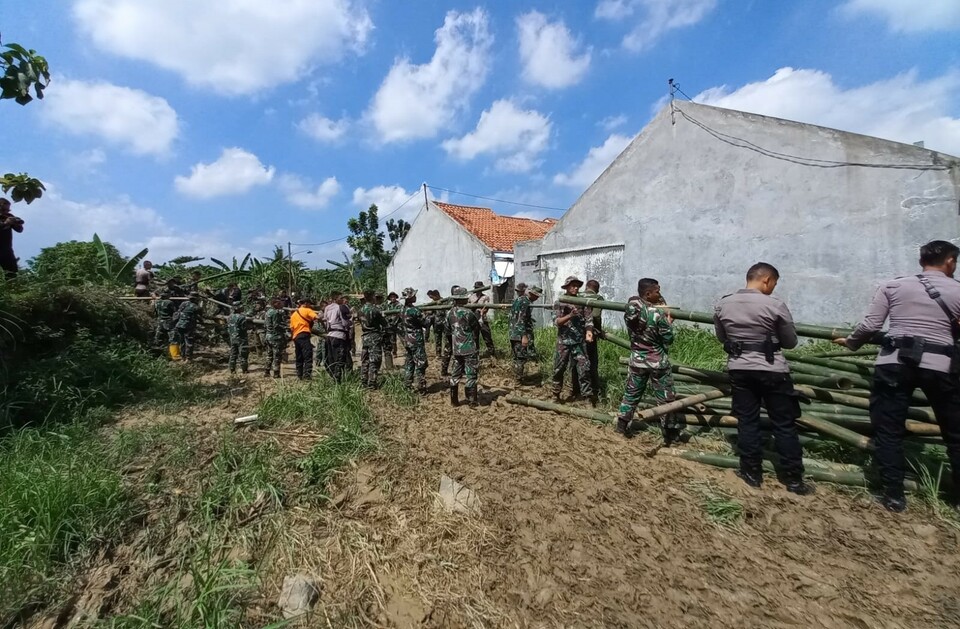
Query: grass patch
720,508
397,392
928,492
339,411
240,476
62,494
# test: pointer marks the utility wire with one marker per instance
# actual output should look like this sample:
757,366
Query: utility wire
477,196
796,159
328,242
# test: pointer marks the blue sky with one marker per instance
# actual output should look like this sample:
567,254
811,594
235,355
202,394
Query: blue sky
242,124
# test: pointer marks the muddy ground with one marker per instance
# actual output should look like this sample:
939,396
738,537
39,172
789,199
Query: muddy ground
575,528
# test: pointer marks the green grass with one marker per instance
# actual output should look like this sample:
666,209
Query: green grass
719,507
928,492
397,392
62,493
338,411
241,475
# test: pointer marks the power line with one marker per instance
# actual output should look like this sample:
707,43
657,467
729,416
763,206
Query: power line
796,159
477,196
329,242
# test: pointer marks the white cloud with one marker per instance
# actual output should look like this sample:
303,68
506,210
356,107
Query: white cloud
417,101
323,129
231,46
596,161
909,16
300,193
235,172
132,119
549,53
613,122
518,136
387,199
902,108
656,17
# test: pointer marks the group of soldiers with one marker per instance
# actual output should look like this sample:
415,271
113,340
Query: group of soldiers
921,349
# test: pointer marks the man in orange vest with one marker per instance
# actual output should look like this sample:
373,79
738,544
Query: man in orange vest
301,326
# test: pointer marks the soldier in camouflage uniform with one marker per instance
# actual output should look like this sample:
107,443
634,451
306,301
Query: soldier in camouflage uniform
188,320
275,333
477,297
447,354
373,325
521,327
165,308
464,328
237,324
412,323
571,335
258,310
437,318
651,333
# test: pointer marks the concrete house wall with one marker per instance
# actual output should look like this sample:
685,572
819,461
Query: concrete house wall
695,212
437,252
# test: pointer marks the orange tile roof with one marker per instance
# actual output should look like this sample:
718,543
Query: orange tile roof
498,232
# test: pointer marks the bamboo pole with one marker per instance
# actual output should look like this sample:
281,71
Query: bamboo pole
867,351
836,431
812,331
840,477
595,416
682,403
834,365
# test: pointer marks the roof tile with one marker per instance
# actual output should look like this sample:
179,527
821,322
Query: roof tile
498,232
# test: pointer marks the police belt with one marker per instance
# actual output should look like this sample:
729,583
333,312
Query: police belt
900,342
768,348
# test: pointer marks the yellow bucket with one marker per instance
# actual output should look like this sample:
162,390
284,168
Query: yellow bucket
175,351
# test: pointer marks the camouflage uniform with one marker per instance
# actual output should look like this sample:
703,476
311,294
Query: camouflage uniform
521,324
651,334
188,319
165,309
484,330
464,327
275,333
571,349
412,323
439,324
372,326
239,347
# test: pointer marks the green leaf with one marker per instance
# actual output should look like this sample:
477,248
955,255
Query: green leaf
103,257
126,271
220,264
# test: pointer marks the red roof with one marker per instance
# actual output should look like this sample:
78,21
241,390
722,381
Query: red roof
499,233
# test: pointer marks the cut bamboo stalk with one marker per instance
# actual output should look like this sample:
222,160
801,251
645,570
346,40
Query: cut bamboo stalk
595,416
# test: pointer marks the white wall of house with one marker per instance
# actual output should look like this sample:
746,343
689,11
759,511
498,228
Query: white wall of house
437,253
695,213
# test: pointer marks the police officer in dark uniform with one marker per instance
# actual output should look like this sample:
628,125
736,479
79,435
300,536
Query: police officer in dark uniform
754,326
919,350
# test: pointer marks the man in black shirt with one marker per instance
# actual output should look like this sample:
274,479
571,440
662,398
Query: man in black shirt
8,224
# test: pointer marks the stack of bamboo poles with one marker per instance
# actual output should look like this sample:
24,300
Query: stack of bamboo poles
834,389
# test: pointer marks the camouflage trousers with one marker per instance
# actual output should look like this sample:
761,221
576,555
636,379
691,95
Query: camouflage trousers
371,357
186,338
576,357
485,334
439,331
446,355
239,351
415,367
467,367
521,355
275,349
164,333
661,385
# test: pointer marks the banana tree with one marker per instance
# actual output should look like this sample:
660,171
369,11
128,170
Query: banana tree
105,268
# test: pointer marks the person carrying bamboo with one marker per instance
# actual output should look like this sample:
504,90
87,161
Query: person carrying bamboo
412,323
165,309
477,297
651,333
301,329
754,326
464,328
521,328
447,355
921,350
188,318
275,334
571,351
237,324
373,326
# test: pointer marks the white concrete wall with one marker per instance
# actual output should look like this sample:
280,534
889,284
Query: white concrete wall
695,213
438,253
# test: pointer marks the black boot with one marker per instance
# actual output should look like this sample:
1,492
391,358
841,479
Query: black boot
752,478
897,503
472,397
455,396
623,428
795,485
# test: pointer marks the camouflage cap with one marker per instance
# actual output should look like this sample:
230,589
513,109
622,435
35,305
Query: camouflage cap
479,287
573,279
520,287
453,289
459,293
535,290
392,295
409,293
